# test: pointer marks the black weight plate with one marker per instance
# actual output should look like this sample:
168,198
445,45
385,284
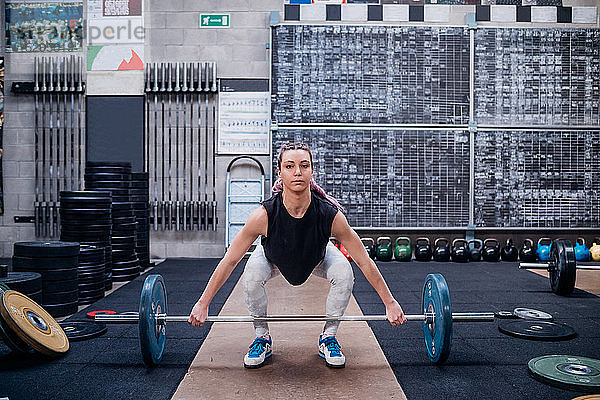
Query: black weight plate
91,265
106,176
141,206
61,310
123,220
125,278
24,282
139,185
86,238
139,199
86,211
84,193
143,176
96,224
37,296
93,262
89,300
88,250
46,249
45,263
85,202
92,293
59,286
562,277
122,205
580,374
60,297
108,170
91,286
55,274
537,330
82,330
123,164
123,199
110,184
128,249
123,240
90,274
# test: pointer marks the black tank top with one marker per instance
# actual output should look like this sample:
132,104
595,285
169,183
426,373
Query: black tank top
297,245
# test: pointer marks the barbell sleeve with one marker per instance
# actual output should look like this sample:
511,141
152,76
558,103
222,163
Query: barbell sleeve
533,266
134,318
547,266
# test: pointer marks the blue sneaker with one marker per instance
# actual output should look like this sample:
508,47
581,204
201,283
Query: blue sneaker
259,351
329,349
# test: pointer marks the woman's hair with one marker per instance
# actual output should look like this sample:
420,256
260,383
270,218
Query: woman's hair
278,185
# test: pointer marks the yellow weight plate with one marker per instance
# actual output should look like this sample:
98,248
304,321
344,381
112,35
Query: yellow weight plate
33,324
588,397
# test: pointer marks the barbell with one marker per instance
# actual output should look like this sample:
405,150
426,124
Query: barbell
562,267
437,318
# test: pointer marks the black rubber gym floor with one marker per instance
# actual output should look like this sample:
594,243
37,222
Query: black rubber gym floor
483,362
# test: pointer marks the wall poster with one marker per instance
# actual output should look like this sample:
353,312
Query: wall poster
115,35
44,26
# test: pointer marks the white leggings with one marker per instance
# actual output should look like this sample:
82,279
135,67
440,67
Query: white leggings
334,267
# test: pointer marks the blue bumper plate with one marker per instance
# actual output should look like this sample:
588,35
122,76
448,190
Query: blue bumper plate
153,301
437,330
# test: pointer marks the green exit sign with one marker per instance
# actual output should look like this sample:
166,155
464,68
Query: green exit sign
214,20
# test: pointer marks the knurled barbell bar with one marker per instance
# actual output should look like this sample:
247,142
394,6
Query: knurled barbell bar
562,267
437,318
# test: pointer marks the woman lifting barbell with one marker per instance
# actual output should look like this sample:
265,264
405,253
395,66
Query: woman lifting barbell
296,224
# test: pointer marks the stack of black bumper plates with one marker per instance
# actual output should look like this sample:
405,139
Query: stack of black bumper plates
28,283
141,209
86,217
116,178
92,273
57,263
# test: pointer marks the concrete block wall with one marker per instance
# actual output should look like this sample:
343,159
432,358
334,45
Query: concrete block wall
172,34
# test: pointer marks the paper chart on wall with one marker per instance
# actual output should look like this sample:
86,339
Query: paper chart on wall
244,116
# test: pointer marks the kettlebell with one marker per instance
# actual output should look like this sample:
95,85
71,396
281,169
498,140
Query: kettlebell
526,254
384,250
369,244
422,249
441,250
509,252
475,246
491,250
543,250
459,250
595,250
403,251
582,253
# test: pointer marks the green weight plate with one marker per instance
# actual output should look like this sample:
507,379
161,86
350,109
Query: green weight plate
575,373
562,276
438,331
153,301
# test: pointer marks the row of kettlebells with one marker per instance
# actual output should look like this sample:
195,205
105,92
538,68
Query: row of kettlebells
461,250
583,253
